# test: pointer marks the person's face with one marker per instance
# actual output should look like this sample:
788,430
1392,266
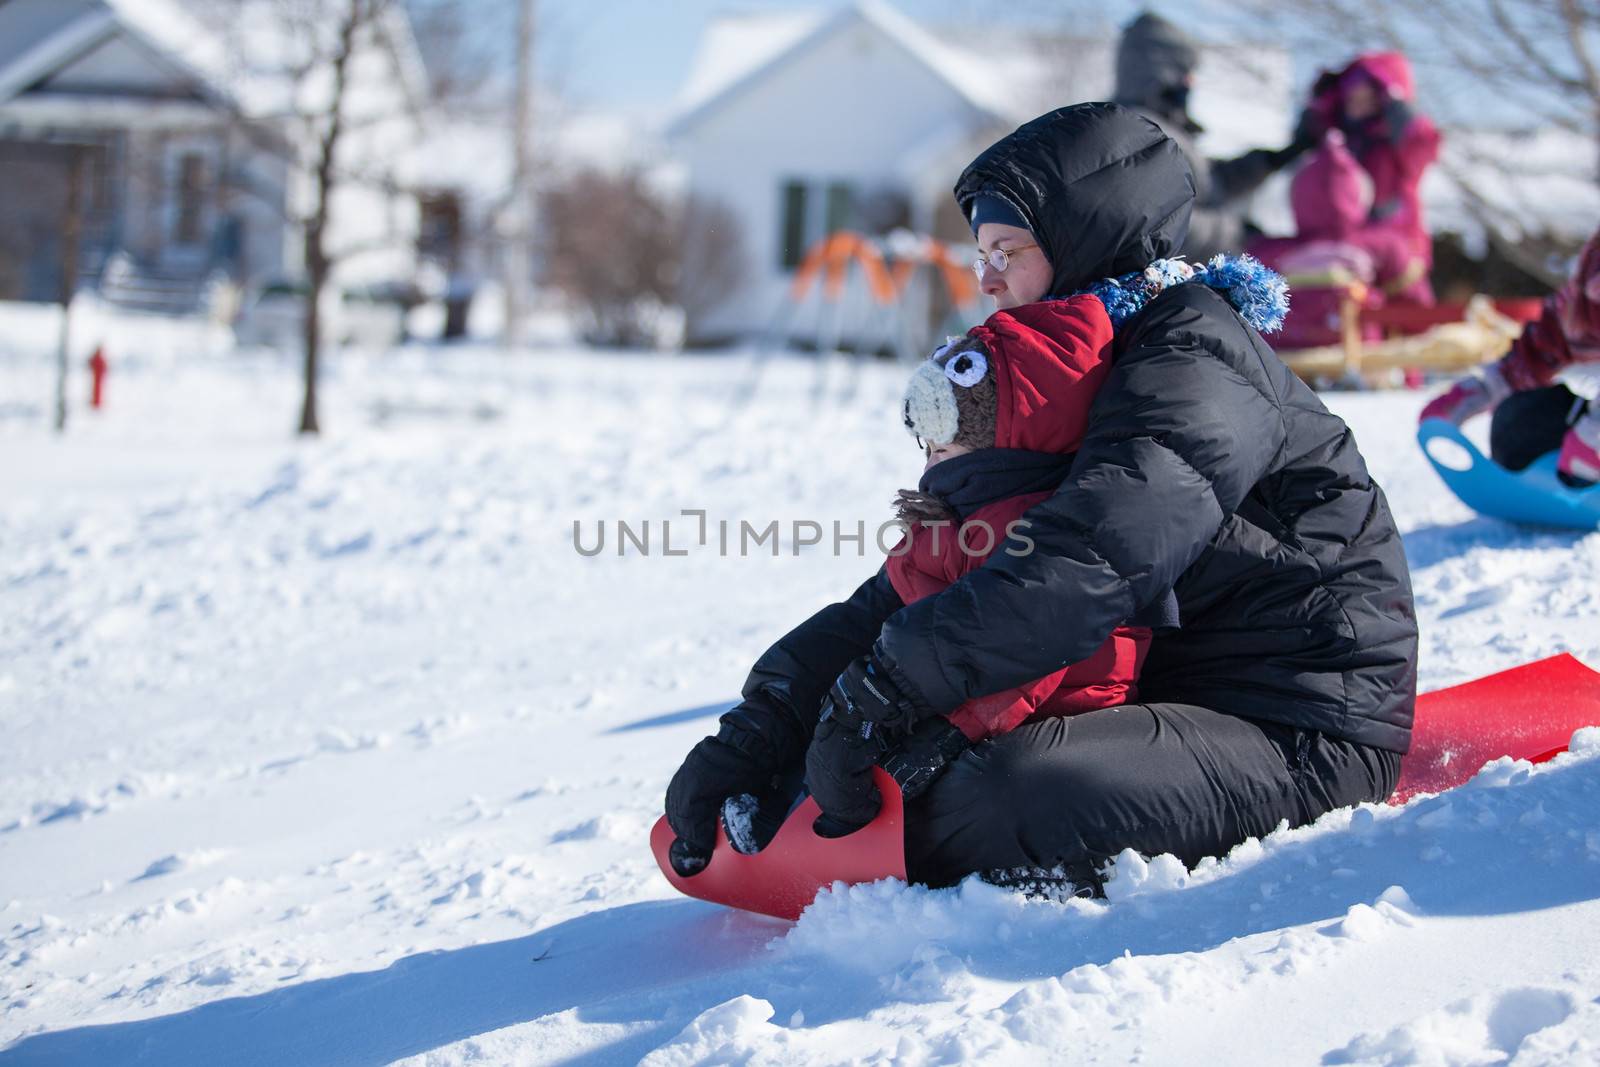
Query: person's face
1027,276
940,453
1361,101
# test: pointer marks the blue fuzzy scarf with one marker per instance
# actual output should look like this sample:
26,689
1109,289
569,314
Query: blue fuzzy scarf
1259,294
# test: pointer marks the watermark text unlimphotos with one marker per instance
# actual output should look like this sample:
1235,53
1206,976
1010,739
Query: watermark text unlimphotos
743,538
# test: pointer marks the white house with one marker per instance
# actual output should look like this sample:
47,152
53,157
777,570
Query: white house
464,171
195,162
807,122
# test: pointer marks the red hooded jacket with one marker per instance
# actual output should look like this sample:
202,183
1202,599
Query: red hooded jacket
1049,360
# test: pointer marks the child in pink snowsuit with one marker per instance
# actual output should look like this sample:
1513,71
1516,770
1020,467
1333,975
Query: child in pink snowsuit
1372,104
1357,205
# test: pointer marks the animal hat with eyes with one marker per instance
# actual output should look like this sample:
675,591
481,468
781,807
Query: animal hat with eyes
1024,379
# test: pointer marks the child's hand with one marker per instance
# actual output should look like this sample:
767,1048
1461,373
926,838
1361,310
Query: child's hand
864,716
932,747
1471,395
729,764
839,773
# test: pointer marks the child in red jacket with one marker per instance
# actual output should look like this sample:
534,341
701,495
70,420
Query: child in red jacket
1000,414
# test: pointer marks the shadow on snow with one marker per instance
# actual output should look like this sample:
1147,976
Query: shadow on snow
672,718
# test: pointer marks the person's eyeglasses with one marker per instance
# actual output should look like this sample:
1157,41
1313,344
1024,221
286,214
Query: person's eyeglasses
999,259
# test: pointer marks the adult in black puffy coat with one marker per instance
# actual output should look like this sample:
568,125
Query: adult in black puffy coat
1209,471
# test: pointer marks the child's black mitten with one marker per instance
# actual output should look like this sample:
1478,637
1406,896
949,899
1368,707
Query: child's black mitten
864,716
732,763
923,757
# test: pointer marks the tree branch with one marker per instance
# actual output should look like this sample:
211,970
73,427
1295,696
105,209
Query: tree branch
1576,24
1527,50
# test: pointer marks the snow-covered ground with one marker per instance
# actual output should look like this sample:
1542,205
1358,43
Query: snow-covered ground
341,753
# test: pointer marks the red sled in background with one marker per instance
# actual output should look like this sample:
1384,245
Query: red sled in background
1528,712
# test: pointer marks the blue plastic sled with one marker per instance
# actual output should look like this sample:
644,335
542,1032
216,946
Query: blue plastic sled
1533,497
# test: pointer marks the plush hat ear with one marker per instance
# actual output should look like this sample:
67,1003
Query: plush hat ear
929,408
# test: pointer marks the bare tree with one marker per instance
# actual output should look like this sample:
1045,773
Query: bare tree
495,65
609,249
49,203
71,233
520,201
624,254
318,60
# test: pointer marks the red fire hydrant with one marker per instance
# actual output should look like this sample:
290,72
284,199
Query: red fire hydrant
97,374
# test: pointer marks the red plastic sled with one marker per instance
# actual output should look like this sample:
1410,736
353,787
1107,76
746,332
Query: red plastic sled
1527,712
786,876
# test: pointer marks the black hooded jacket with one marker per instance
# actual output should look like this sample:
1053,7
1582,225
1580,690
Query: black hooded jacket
1208,469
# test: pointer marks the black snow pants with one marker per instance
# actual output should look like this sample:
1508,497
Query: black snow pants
1068,794
1528,425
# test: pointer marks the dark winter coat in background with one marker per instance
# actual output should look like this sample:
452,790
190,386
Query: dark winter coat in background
1208,469
1154,62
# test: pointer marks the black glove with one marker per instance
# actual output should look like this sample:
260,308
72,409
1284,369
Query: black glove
1397,116
732,763
864,716
933,745
1308,133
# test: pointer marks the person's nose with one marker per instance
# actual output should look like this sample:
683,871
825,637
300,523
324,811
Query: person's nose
993,283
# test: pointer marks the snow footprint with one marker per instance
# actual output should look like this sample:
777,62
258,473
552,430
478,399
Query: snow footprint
1484,1029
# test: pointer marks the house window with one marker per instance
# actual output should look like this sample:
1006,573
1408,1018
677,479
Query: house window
191,202
841,207
439,230
811,211
792,236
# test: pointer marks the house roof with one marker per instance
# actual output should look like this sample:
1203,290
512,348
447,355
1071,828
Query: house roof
1007,73
38,36
42,37
734,46
251,47
737,52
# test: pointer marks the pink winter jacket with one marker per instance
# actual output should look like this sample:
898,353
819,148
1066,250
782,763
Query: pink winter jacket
1332,199
1394,163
